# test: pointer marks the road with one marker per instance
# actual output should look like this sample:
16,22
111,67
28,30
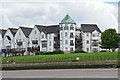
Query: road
62,73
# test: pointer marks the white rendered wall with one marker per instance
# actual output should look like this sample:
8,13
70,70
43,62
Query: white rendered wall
34,36
22,38
63,46
6,42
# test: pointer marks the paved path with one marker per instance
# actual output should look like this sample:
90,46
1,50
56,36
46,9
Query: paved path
62,73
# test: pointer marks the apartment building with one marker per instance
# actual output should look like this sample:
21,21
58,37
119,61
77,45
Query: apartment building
65,36
44,38
91,36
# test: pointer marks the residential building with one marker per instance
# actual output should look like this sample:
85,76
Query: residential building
67,34
22,40
2,33
43,38
91,36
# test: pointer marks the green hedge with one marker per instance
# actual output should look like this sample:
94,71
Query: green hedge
49,53
80,51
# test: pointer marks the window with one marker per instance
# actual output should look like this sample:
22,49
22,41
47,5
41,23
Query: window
61,28
66,42
44,44
71,43
42,36
66,27
19,33
66,34
87,34
50,43
87,49
87,41
93,35
71,27
66,48
71,35
49,36
71,49
35,32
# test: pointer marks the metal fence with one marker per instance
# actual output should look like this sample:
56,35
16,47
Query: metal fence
109,58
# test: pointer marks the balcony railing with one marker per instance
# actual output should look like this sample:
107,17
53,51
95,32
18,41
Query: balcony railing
94,44
71,44
19,43
35,42
71,36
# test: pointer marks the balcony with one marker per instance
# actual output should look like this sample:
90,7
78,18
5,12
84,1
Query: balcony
94,43
19,43
71,36
35,42
71,44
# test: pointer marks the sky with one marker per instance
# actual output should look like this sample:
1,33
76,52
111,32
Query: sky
14,13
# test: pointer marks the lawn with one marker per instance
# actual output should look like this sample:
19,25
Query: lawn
64,57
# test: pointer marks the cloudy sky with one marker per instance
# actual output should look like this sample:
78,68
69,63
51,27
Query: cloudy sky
15,13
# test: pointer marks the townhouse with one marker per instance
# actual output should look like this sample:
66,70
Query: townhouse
2,33
22,40
91,36
65,36
44,38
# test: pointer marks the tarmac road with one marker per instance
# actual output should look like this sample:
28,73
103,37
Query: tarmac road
62,73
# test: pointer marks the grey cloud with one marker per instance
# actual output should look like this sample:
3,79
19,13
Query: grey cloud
17,14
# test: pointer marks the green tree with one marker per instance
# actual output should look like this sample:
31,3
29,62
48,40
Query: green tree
109,39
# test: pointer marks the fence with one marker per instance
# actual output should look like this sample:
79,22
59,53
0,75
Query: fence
109,58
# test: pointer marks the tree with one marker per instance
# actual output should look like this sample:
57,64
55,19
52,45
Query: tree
110,39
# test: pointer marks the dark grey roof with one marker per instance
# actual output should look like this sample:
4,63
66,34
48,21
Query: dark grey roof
48,29
13,31
26,31
89,28
2,31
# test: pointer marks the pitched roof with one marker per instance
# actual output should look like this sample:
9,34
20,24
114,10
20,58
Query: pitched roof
89,28
2,32
13,30
26,31
48,29
67,19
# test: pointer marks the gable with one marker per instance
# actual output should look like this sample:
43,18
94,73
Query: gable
35,29
8,34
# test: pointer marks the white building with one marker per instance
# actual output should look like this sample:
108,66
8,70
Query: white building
43,37
91,36
2,33
22,39
9,36
67,34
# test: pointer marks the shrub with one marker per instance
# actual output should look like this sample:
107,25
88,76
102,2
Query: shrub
80,51
39,53
48,53
103,51
58,52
